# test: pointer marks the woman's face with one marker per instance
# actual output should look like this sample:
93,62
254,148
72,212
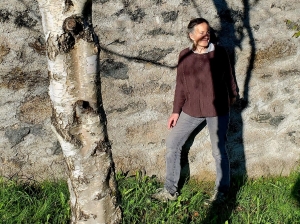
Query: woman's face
200,36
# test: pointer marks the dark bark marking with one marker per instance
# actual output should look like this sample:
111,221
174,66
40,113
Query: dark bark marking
66,42
70,24
99,196
83,180
71,167
82,106
104,145
83,216
64,132
74,25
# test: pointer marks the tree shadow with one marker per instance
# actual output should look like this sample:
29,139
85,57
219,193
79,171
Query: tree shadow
136,58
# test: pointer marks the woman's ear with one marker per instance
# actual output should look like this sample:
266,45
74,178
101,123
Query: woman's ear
191,36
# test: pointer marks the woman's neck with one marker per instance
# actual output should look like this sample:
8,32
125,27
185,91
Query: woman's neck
201,49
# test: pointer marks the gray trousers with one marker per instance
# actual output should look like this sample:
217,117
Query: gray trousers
185,125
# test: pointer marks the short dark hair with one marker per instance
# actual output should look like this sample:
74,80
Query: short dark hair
195,22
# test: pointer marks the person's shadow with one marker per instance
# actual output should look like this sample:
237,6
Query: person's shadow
296,190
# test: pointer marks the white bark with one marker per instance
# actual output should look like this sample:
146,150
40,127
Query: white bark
78,119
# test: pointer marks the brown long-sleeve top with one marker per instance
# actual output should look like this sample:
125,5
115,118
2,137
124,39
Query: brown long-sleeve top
204,83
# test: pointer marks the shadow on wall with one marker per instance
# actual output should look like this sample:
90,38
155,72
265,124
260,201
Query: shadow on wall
138,59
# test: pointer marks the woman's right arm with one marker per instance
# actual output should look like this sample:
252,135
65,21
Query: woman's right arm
179,96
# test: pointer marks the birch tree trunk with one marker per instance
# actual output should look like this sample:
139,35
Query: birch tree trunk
78,118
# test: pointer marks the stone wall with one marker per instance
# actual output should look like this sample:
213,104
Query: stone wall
140,42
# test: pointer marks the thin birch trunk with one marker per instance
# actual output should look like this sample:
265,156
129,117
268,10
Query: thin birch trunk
78,118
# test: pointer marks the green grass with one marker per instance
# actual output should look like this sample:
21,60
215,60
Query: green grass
263,200
33,203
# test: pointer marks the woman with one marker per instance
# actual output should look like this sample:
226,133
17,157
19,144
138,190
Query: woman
205,89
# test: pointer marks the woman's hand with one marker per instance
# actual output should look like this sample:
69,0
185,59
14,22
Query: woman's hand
173,120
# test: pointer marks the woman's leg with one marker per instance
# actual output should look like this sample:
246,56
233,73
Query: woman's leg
218,127
176,139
